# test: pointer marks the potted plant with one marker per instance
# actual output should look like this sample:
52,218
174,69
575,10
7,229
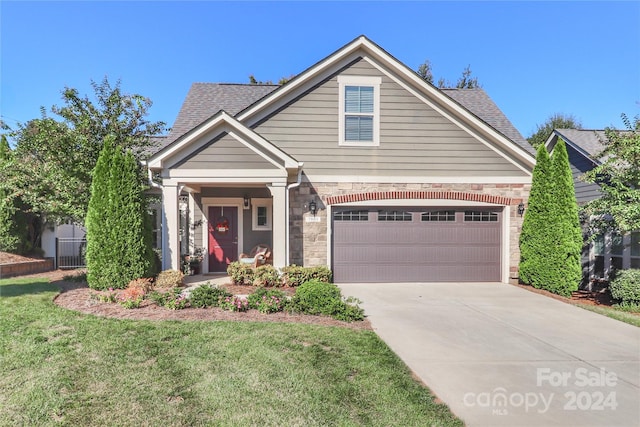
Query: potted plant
191,263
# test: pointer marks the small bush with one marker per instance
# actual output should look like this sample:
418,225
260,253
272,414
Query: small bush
626,287
240,273
321,298
208,296
172,299
175,300
144,284
160,298
170,279
294,275
268,300
349,310
266,276
131,297
233,303
109,295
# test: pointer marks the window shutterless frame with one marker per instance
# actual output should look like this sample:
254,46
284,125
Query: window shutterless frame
359,111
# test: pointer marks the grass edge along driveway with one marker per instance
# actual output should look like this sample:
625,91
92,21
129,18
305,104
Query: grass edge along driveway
59,367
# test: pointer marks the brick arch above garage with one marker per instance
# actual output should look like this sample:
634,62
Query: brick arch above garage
420,195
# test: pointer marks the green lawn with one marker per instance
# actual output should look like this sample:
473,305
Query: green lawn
621,315
62,367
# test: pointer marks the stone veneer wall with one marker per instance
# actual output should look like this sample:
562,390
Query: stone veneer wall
308,240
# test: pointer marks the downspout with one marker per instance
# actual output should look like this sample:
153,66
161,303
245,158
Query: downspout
152,183
286,214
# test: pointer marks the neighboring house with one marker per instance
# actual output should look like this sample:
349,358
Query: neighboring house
607,252
64,243
356,163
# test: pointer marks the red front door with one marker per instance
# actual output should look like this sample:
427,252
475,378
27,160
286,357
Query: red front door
223,237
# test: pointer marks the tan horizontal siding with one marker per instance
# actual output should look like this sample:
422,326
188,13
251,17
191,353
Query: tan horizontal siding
414,138
225,152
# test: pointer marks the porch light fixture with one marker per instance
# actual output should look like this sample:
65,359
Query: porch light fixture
521,209
246,202
313,207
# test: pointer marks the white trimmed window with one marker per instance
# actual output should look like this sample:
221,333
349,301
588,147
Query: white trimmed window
359,110
261,213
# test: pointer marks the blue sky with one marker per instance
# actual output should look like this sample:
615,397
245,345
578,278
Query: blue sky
533,58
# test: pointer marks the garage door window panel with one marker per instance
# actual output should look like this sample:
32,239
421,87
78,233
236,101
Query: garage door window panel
351,216
439,216
480,216
394,216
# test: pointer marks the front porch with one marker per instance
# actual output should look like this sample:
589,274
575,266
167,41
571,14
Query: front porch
233,185
223,221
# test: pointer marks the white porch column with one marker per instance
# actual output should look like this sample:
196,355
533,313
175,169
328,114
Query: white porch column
170,228
279,224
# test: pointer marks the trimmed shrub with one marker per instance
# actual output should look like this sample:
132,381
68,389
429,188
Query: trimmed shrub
208,296
170,279
240,273
321,298
266,276
315,297
294,275
626,287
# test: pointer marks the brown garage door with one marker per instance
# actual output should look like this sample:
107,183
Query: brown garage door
416,244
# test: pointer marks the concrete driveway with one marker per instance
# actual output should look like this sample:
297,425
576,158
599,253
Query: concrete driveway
499,355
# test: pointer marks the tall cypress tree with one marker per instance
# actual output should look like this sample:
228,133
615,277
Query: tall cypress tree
567,248
536,237
118,236
127,206
98,220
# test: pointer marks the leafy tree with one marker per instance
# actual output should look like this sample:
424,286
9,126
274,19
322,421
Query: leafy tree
464,82
54,158
9,235
19,227
618,176
555,121
567,249
535,236
118,232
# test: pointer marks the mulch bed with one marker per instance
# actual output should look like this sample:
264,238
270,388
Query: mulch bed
600,296
77,296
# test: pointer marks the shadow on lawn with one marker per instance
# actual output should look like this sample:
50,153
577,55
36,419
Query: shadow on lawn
27,288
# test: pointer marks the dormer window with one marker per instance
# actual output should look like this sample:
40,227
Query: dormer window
359,110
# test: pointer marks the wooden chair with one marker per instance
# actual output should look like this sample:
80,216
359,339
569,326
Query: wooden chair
259,255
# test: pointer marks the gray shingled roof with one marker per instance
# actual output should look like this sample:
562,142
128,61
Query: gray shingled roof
206,99
585,139
478,102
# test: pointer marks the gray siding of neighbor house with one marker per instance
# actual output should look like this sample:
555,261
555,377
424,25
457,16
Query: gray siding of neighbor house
415,140
579,165
225,152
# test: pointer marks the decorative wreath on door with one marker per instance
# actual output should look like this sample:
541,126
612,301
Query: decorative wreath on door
222,225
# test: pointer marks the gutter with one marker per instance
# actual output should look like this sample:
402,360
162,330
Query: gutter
286,214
